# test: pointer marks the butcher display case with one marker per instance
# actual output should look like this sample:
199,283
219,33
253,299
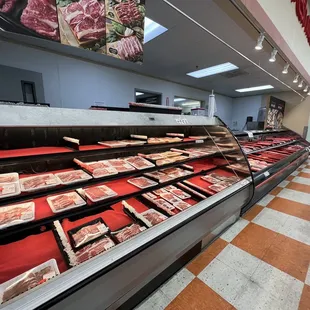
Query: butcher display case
98,208
272,155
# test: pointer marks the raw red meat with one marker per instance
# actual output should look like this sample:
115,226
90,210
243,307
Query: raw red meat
128,12
39,181
7,179
142,182
73,176
62,201
6,6
139,162
128,232
129,48
96,193
94,249
41,16
153,216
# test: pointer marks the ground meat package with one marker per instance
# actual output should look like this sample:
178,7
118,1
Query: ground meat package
17,214
127,232
64,202
71,177
28,280
82,235
38,182
9,185
98,193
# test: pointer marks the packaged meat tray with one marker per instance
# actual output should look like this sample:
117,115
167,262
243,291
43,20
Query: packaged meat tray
38,182
217,176
64,202
120,165
104,172
28,280
192,191
153,216
164,140
160,176
91,250
9,189
17,214
165,206
210,179
218,187
139,162
160,191
172,134
113,144
127,232
92,166
182,205
170,188
71,177
9,177
176,172
180,194
142,182
171,198
84,234
98,193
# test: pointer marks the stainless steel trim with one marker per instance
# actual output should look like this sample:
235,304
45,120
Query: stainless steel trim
60,284
25,116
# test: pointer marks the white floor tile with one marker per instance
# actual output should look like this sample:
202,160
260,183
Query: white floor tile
173,287
282,286
271,219
156,301
297,229
284,183
264,202
295,196
295,173
239,260
224,280
308,276
305,170
301,180
234,230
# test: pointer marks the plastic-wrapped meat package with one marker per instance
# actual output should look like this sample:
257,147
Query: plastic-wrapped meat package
217,176
104,172
9,177
71,177
93,249
182,205
38,182
28,280
87,232
9,185
97,193
139,162
210,179
128,232
17,214
64,202
165,206
180,194
142,182
153,216
120,165
160,191
218,187
170,198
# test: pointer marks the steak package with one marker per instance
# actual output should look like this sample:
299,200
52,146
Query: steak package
153,216
64,202
17,214
210,179
142,182
28,280
98,193
9,185
71,177
84,234
160,176
38,182
127,232
93,249
139,162
120,165
179,193
9,177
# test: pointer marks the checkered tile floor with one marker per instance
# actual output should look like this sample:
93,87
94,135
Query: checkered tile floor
261,262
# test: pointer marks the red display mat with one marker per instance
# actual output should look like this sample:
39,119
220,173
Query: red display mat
20,256
35,151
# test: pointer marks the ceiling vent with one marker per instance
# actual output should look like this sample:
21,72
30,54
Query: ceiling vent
234,73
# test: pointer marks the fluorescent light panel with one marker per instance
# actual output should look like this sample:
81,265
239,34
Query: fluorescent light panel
244,90
152,30
227,66
139,94
179,99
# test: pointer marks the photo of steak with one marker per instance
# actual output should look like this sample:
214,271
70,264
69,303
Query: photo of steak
88,233
41,17
16,214
129,48
94,249
86,19
128,12
6,6
128,232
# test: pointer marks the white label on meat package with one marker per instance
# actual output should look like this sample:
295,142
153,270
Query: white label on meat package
199,141
8,189
266,174
49,275
50,181
102,228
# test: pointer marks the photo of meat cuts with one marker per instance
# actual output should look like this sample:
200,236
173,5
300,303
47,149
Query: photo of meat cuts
33,17
83,24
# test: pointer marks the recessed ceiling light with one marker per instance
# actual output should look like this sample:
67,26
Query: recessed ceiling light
139,94
244,90
152,30
227,66
179,99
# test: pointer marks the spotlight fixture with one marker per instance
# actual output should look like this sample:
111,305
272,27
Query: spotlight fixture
273,55
300,85
285,69
296,79
306,89
260,40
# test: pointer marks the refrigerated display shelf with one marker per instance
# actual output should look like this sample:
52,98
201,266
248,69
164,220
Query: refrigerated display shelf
270,147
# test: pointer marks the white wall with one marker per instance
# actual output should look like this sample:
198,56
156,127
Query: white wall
73,83
243,107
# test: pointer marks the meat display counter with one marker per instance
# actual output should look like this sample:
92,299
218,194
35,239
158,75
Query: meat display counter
272,155
98,208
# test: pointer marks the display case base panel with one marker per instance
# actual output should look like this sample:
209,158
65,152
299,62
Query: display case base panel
117,286
262,189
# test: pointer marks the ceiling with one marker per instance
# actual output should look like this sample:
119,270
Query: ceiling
185,47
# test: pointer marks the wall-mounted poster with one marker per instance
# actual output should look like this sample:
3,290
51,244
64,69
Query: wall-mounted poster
112,27
275,113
